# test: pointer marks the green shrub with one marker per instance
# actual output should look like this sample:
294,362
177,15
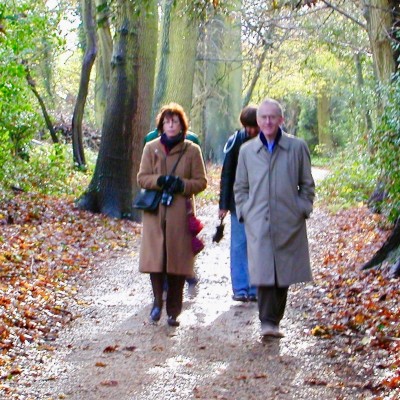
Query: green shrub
352,179
386,145
49,170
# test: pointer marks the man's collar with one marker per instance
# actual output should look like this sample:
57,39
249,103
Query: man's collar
282,140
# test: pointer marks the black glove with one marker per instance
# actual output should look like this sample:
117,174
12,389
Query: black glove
178,186
161,180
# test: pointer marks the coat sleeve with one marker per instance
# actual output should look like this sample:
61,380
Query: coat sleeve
146,178
197,180
306,183
227,176
241,186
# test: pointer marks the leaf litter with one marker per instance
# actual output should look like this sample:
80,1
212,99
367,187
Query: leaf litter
48,247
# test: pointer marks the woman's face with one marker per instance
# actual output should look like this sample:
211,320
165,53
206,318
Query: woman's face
172,125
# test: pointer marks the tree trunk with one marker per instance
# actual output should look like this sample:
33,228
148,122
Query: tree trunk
177,57
324,135
88,60
163,58
223,78
46,116
103,59
113,183
378,15
361,84
256,76
141,120
391,243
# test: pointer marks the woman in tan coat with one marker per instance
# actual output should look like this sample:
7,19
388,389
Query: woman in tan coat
166,248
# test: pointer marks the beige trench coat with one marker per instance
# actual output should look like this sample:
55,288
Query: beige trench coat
274,195
169,225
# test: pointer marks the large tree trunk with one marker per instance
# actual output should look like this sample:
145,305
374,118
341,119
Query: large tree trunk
378,14
113,184
87,64
177,57
103,60
147,36
223,80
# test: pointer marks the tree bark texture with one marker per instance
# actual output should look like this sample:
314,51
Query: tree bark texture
223,77
147,36
114,181
163,57
367,126
46,116
103,59
177,57
87,64
324,135
391,243
379,19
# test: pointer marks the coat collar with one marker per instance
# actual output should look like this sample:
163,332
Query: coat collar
284,142
177,149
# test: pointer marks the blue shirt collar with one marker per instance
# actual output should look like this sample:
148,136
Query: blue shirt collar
270,146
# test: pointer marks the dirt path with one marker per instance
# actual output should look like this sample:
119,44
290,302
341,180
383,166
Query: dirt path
111,351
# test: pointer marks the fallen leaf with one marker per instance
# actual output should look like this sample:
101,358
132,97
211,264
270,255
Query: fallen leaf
109,383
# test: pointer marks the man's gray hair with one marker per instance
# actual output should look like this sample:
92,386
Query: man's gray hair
274,102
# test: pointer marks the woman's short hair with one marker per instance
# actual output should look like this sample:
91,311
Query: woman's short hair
168,111
248,116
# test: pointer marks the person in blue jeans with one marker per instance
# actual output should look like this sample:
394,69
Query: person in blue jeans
242,291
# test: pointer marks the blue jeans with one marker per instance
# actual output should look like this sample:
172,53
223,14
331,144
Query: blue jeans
239,267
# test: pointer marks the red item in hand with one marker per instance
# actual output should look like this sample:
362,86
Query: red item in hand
195,225
197,245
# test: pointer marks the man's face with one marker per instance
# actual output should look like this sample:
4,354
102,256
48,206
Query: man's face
252,131
269,119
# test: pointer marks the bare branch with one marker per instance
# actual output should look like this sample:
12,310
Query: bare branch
347,15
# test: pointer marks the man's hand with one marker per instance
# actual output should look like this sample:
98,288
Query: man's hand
222,214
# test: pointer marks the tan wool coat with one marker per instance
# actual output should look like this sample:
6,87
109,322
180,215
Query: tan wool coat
274,195
169,225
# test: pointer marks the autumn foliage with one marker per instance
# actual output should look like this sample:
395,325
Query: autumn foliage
45,245
359,309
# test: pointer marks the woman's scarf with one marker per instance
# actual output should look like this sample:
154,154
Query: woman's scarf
170,143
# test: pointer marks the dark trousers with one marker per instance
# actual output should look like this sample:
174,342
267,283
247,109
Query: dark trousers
271,303
174,292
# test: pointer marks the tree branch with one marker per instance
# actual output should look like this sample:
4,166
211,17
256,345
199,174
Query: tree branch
344,13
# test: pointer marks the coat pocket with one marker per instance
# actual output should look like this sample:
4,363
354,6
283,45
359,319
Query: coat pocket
304,207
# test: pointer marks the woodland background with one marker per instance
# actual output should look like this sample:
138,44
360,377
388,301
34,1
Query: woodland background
94,73
80,85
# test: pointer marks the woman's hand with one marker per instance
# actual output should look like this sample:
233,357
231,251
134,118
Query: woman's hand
172,183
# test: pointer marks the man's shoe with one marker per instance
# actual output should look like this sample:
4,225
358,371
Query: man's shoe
155,314
240,297
173,321
268,329
253,298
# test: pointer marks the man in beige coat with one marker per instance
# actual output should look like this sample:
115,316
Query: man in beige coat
274,193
